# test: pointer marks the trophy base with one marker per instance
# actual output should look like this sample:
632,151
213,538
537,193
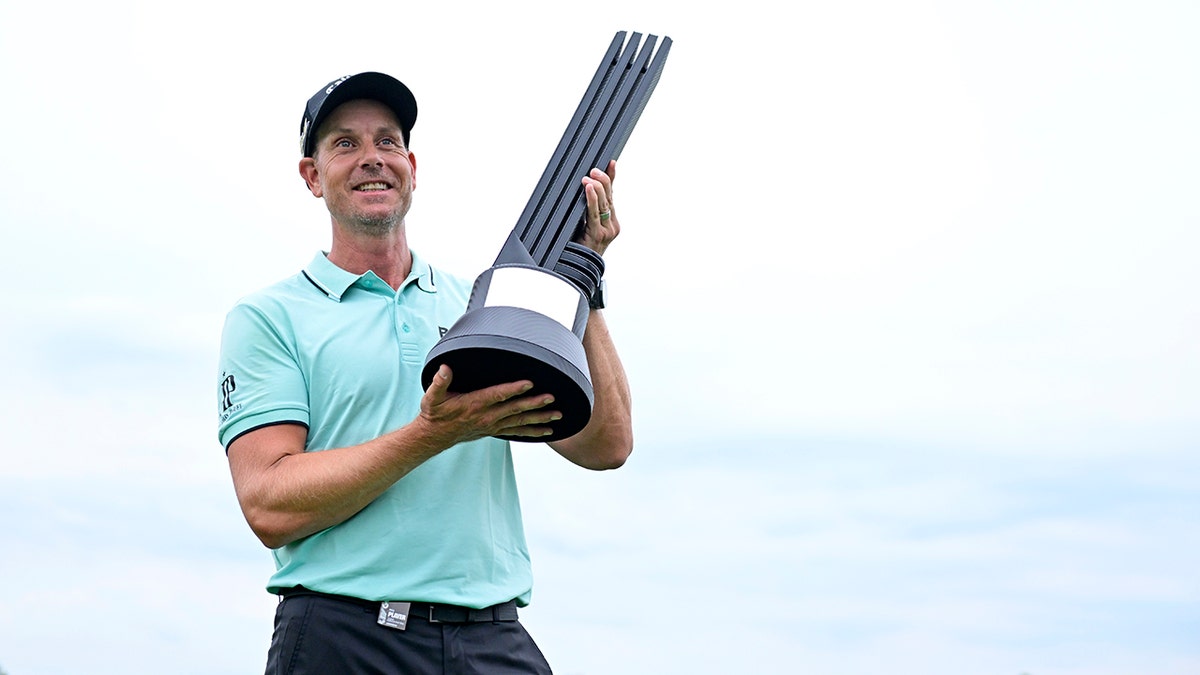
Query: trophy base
498,344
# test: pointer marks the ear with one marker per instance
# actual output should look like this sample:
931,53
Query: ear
308,171
412,160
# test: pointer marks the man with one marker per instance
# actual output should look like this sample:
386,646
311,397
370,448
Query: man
392,513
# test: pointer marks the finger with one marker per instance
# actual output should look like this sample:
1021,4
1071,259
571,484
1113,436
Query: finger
526,416
504,394
605,182
589,193
529,404
527,432
529,424
440,385
530,419
594,207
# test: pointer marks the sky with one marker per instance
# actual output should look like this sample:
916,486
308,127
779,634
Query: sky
905,293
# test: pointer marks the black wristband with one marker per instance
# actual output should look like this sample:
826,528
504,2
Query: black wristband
598,299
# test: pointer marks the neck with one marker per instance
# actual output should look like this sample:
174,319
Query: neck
387,256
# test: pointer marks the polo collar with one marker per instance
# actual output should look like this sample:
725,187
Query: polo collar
334,281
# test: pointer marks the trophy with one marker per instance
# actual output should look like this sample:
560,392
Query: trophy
527,313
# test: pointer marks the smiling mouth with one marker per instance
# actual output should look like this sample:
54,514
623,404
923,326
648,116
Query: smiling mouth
372,187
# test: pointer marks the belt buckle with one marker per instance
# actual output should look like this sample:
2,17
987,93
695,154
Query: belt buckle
432,611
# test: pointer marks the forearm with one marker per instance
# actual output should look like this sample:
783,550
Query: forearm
607,439
287,493
301,493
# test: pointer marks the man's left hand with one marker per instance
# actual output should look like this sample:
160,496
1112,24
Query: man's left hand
602,226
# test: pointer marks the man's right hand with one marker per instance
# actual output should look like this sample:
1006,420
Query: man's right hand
501,409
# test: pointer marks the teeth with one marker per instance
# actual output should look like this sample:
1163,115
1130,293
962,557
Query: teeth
371,186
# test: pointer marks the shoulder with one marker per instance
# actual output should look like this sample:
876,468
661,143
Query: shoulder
271,310
281,294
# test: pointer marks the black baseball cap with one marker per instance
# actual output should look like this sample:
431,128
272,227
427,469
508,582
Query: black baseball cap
375,86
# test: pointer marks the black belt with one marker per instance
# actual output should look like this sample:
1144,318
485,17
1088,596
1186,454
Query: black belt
433,612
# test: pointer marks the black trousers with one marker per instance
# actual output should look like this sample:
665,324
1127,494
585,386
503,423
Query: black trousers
326,635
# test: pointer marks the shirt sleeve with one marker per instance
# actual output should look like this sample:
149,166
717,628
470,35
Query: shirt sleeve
261,382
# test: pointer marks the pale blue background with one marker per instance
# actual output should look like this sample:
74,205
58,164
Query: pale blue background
906,293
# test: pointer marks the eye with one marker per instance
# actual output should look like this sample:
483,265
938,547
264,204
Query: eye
343,143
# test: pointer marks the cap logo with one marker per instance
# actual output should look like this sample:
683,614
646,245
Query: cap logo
303,133
335,84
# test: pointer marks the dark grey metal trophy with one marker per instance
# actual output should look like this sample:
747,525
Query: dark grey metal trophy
527,313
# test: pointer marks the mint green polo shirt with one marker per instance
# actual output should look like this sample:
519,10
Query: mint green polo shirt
341,354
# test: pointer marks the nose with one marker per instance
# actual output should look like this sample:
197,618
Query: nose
371,156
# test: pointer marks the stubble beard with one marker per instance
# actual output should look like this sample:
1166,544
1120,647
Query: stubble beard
374,226
377,224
